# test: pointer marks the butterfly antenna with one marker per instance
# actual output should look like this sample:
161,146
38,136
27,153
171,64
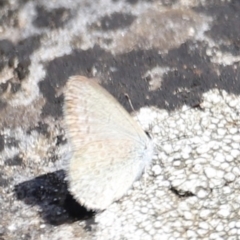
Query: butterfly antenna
129,100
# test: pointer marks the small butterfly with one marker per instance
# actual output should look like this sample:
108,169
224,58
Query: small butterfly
109,149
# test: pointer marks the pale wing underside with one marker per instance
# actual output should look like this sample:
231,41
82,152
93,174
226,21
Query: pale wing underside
96,114
106,172
108,145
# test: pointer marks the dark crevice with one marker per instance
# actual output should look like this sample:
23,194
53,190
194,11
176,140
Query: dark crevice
181,194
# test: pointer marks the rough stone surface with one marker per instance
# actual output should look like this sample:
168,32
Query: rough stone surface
179,64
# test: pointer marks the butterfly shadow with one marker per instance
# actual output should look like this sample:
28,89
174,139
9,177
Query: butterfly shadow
50,192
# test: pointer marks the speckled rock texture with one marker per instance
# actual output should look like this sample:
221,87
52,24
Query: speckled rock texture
179,64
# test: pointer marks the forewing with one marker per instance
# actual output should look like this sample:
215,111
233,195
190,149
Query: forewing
91,114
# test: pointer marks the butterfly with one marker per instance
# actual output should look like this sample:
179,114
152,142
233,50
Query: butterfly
109,149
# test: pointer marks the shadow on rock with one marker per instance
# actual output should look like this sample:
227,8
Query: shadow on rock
50,192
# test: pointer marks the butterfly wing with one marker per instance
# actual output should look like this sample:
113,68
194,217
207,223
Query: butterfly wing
100,173
109,147
88,104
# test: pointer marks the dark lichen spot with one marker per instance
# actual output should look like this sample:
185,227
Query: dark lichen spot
163,2
2,232
181,194
168,2
114,21
20,52
2,105
51,19
23,2
22,69
1,142
53,108
9,18
41,128
3,3
26,47
132,1
5,50
14,86
225,27
135,1
6,47
3,181
61,140
15,161
3,87
11,142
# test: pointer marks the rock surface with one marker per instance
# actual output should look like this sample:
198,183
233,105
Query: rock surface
178,61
